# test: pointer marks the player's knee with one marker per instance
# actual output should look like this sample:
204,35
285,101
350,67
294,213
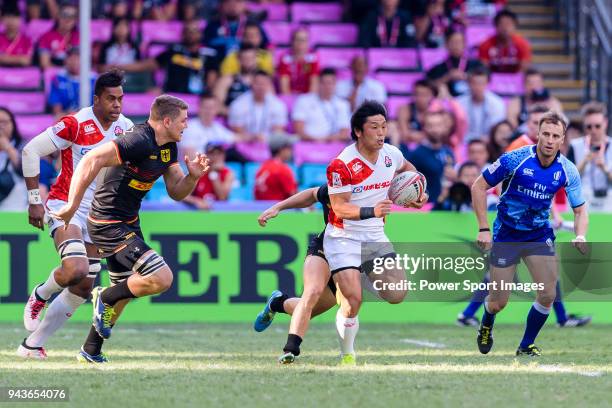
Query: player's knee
73,271
311,296
394,296
352,305
546,299
161,281
497,306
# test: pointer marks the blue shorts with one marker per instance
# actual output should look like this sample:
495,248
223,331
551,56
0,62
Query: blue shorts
510,245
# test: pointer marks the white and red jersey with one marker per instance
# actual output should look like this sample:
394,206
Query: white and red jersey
368,183
75,135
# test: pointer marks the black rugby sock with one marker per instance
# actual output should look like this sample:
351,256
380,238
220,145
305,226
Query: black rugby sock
93,343
110,296
293,344
277,305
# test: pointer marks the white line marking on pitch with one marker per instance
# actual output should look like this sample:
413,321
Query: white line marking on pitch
424,343
562,369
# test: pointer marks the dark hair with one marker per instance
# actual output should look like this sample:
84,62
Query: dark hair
555,118
593,108
476,141
167,106
109,79
426,83
10,8
364,111
450,31
261,72
116,22
538,108
465,165
246,47
208,94
479,70
505,13
327,71
16,135
496,150
532,71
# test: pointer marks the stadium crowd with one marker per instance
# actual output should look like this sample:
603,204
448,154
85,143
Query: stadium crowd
273,86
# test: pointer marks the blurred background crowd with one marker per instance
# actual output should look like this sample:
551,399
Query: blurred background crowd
271,86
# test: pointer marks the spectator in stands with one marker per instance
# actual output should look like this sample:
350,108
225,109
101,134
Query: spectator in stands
322,116
216,184
535,93
298,69
189,65
458,197
433,157
197,9
13,193
42,9
64,94
54,44
205,128
478,153
410,117
361,87
274,179
592,154
224,33
230,87
120,49
258,114
453,71
16,48
533,126
387,26
163,10
483,107
499,139
253,37
431,26
506,51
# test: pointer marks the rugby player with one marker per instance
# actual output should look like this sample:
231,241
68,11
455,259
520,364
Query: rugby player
131,164
74,136
358,181
531,176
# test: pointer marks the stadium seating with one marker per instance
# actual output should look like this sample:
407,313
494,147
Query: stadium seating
250,170
392,59
20,78
333,34
399,82
316,12
32,125
507,84
339,58
257,152
314,152
278,32
23,102
48,76
238,171
167,32
394,103
274,11
101,30
429,57
476,34
36,28
313,175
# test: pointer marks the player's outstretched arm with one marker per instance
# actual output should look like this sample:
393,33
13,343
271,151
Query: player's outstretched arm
340,203
180,185
479,203
303,199
87,170
39,146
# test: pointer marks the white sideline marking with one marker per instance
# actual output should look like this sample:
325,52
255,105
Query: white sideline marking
424,343
561,369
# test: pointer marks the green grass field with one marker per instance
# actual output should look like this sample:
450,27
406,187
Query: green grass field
227,365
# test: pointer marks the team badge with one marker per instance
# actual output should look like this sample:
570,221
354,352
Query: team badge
118,130
388,161
165,155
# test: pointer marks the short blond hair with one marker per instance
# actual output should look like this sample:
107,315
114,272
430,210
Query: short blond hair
167,106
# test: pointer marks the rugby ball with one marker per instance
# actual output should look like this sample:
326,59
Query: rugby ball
407,187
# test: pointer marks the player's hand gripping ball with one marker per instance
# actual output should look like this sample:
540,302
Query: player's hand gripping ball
408,189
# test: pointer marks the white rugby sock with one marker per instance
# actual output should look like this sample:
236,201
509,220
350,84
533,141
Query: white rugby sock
50,287
347,328
60,310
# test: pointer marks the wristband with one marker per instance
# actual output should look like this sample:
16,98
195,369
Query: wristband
34,197
484,229
580,238
366,212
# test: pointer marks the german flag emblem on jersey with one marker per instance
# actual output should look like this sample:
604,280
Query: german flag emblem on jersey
165,155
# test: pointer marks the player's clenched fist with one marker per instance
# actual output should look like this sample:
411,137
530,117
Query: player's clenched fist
484,240
198,166
382,208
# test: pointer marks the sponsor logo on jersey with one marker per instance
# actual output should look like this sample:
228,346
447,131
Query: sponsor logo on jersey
388,161
85,150
118,130
375,186
153,157
165,155
58,127
336,180
357,167
491,169
528,172
90,128
140,185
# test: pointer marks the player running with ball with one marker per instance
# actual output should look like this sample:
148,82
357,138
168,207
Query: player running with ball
530,177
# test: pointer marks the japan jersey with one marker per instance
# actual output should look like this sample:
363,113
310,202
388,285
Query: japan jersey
368,183
528,188
75,135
